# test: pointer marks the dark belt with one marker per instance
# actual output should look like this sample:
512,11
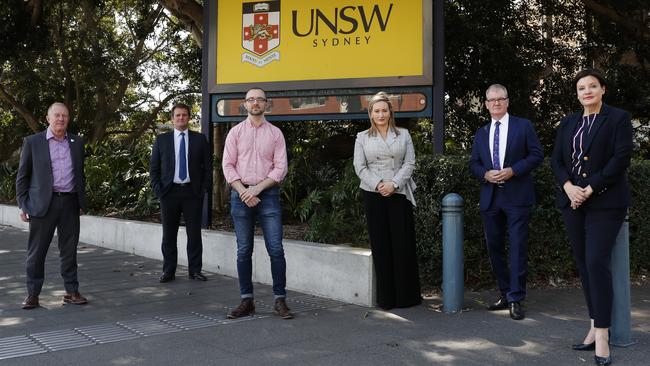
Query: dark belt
183,184
500,185
63,193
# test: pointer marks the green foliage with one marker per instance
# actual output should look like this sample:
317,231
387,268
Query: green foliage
8,184
338,215
331,207
534,48
639,177
117,180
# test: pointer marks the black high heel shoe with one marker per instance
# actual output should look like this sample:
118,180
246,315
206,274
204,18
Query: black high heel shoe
584,346
603,361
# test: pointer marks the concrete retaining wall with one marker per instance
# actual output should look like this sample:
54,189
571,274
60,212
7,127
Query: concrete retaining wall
331,271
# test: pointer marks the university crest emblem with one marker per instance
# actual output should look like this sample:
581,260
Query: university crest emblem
261,32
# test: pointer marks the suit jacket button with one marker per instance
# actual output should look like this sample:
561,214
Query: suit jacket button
584,175
585,158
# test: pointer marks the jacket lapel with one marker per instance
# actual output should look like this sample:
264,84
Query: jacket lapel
44,146
567,137
391,137
513,126
76,159
172,151
600,120
485,139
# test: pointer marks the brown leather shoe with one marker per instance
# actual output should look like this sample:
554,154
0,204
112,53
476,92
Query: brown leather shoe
75,299
246,307
30,302
280,309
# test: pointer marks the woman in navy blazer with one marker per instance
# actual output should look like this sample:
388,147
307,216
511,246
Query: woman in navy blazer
384,160
590,160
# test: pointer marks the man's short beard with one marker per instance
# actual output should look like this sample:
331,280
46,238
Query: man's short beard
256,113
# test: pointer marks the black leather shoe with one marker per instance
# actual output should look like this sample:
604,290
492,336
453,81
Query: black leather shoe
197,276
516,312
31,302
603,361
500,304
584,346
167,277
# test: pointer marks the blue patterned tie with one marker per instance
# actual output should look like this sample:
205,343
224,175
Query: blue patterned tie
182,168
495,148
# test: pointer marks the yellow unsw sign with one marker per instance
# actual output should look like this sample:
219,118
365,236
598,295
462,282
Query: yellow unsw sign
296,40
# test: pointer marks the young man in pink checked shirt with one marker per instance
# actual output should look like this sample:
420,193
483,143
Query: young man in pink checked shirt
254,163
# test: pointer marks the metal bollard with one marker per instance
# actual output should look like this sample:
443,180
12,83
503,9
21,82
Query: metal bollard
620,268
452,253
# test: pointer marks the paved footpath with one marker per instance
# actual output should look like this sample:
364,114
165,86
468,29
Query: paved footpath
134,320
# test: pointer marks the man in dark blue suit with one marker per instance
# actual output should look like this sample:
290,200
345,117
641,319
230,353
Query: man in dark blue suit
180,174
504,153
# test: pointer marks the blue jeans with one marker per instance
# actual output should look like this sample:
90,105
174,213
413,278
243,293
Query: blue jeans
269,214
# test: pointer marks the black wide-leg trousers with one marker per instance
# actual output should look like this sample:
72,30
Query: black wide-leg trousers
392,241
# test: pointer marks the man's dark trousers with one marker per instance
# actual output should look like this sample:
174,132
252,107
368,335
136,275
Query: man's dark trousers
499,217
62,215
181,199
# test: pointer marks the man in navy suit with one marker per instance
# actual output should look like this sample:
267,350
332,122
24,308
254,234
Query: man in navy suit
50,192
504,153
180,174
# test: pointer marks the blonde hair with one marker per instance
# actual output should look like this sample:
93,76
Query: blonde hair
381,97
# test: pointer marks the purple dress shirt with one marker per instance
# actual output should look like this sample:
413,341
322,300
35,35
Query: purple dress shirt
62,173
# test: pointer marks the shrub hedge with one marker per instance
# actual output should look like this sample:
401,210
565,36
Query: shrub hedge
549,251
118,185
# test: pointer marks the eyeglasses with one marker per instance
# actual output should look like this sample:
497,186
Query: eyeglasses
258,100
494,100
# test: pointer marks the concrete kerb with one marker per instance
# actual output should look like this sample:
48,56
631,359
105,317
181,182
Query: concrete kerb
336,272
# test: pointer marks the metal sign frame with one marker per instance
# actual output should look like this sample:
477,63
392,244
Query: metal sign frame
427,111
425,79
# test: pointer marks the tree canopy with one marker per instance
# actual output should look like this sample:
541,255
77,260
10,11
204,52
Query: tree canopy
115,63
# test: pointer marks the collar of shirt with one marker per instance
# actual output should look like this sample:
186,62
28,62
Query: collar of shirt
504,121
251,124
177,133
50,135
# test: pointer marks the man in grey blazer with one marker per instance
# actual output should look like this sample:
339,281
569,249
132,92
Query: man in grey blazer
50,193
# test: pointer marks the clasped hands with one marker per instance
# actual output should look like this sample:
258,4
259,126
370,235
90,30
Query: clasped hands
386,188
498,176
249,196
577,195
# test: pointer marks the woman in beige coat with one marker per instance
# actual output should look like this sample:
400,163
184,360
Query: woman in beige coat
384,160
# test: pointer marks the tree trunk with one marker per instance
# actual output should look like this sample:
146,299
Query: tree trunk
190,13
220,187
29,117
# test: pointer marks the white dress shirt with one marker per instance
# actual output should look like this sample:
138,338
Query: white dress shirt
503,138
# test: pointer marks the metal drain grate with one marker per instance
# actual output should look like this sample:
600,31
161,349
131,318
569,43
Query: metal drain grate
19,346
107,333
188,321
32,344
149,327
62,339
